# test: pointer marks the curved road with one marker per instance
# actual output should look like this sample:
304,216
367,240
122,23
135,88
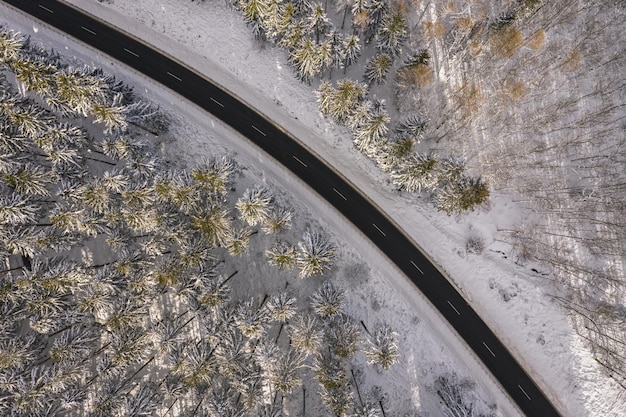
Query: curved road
329,184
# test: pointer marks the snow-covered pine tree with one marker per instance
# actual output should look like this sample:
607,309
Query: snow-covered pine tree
377,11
112,115
238,241
11,44
282,254
305,334
253,10
337,397
271,21
214,224
327,54
416,172
294,34
278,220
371,132
255,205
342,334
305,59
285,376
360,115
215,175
327,301
454,404
318,22
377,68
316,253
14,210
324,95
35,76
28,180
350,50
451,170
346,96
383,347
392,34
465,194
411,128
252,321
282,306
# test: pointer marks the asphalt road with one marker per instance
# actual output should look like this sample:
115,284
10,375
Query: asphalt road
327,183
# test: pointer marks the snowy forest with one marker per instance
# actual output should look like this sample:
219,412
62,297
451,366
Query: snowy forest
124,290
528,95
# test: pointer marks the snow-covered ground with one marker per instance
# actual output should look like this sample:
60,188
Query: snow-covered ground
214,40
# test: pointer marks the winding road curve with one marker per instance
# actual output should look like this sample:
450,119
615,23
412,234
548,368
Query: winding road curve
325,181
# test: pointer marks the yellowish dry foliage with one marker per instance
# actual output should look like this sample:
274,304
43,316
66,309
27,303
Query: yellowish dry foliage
535,41
415,75
469,99
464,24
434,30
513,90
400,6
361,19
505,41
475,48
572,62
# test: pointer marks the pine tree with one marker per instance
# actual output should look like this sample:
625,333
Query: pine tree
254,10
413,127
278,220
295,33
112,115
342,100
416,172
77,91
351,50
282,306
372,131
11,44
334,388
305,59
73,345
367,409
465,194
327,54
449,391
15,210
451,170
360,115
316,253
285,376
255,205
305,334
250,320
377,68
343,335
213,294
318,22
238,241
383,348
282,255
36,76
392,34
214,224
28,180
327,301
377,11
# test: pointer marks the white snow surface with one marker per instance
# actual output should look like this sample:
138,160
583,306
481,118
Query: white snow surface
214,40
